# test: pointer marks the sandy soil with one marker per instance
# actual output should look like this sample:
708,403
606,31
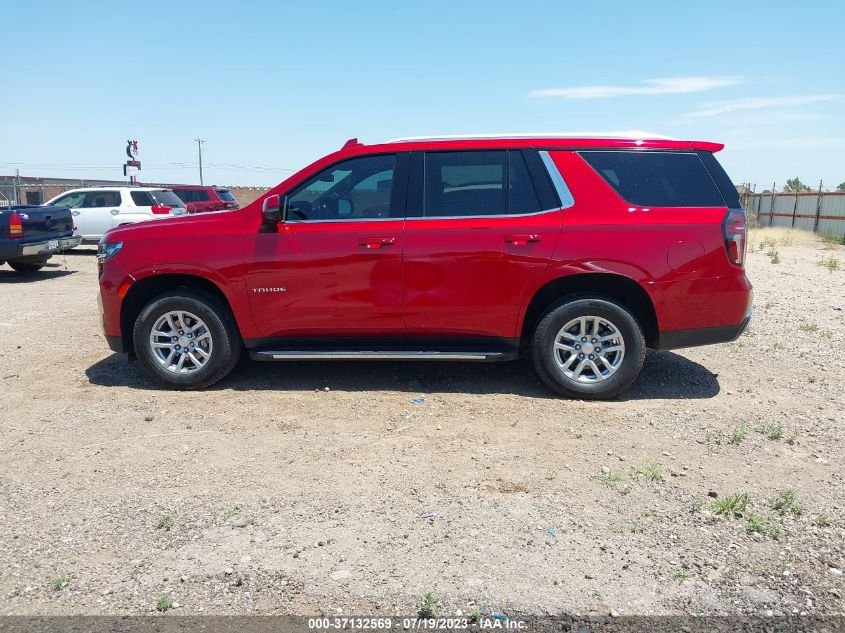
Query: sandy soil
308,488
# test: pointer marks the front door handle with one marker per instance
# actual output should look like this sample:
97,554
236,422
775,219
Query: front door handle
376,242
522,240
115,211
74,213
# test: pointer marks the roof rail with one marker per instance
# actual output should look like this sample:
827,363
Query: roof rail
630,134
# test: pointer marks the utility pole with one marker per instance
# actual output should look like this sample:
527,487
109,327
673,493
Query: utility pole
199,147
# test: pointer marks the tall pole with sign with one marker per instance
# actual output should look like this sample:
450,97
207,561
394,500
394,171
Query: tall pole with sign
133,165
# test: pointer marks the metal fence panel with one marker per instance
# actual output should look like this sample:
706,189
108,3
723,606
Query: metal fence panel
823,214
806,212
783,211
832,215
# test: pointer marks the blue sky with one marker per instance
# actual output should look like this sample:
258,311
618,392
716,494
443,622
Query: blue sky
272,86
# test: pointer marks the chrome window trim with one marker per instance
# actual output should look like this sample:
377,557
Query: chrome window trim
563,192
430,217
344,220
481,217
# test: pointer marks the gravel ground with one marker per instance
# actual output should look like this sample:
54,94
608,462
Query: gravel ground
312,488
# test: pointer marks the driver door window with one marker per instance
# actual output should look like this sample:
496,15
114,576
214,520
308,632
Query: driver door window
356,189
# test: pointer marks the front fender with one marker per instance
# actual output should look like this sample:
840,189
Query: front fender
231,285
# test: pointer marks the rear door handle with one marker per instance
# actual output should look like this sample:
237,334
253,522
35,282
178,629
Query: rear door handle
376,242
115,211
522,240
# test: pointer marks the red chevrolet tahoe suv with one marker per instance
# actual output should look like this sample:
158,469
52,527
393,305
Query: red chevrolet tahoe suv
201,199
582,252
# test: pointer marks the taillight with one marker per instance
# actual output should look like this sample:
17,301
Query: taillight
15,225
734,228
161,209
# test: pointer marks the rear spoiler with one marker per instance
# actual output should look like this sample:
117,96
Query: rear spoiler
706,146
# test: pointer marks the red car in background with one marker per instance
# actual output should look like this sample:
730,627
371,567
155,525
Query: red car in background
577,252
201,199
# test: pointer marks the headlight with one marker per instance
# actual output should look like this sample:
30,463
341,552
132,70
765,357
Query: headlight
107,250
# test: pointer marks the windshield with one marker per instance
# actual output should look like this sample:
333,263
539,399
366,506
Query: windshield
166,198
226,195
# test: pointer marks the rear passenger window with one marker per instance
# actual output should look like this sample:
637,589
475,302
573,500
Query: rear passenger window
470,183
464,183
657,179
141,199
98,199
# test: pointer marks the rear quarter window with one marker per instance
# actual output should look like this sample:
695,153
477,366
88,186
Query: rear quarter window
141,199
166,198
657,179
722,180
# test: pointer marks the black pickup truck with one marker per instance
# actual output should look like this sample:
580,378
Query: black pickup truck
30,235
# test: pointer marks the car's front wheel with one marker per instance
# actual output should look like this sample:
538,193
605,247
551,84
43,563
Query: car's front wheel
589,348
186,339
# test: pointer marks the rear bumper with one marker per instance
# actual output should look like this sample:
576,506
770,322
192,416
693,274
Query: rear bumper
48,247
677,339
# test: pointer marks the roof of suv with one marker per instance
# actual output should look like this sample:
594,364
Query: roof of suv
115,187
620,140
214,187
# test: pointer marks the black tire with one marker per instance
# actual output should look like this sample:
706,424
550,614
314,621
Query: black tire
544,353
226,341
27,268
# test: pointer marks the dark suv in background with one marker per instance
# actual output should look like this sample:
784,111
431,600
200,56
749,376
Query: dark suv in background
200,199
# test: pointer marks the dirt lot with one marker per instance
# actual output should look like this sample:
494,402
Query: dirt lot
308,488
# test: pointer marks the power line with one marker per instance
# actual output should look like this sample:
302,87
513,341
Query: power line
185,165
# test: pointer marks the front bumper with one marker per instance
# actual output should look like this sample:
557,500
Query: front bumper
676,339
115,343
49,247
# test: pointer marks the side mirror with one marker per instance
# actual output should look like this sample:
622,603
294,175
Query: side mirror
271,209
272,213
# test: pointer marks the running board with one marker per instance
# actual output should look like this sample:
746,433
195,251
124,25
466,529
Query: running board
382,355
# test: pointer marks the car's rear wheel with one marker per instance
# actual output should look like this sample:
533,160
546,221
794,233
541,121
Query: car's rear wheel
588,347
186,339
27,268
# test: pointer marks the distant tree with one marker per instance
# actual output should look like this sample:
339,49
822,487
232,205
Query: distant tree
794,185
841,186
